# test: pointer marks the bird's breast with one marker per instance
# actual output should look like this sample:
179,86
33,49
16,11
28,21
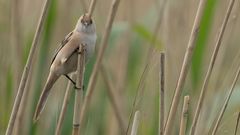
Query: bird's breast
89,41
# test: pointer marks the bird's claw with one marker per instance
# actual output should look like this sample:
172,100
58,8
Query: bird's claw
76,88
81,88
81,51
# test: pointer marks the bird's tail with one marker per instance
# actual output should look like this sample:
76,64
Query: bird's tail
52,78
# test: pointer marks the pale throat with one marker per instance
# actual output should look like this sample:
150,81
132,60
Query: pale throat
89,29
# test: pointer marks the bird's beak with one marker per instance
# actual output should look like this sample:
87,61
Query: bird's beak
86,23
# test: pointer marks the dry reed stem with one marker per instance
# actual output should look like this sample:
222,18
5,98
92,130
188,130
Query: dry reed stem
210,68
185,67
236,128
64,106
140,88
79,92
103,46
226,78
19,127
232,29
148,60
79,84
92,7
135,123
162,93
27,69
113,98
184,116
226,102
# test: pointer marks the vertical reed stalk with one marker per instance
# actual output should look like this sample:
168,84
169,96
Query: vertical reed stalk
27,69
236,128
79,84
92,7
20,125
184,116
185,67
79,92
64,106
103,46
162,93
210,68
135,123
148,60
226,102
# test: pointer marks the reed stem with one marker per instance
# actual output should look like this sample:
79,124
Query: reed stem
162,93
26,70
184,116
185,67
66,99
135,123
226,102
103,46
236,128
210,68
79,90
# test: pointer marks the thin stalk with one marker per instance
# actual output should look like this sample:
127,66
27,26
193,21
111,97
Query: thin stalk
148,61
184,116
92,7
185,67
79,84
226,102
79,92
27,69
135,123
20,125
103,46
236,128
139,89
232,29
64,106
227,77
161,92
113,99
210,68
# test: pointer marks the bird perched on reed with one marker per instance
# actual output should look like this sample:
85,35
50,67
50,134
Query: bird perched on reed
65,59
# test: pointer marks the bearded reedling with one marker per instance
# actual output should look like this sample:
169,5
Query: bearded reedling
66,56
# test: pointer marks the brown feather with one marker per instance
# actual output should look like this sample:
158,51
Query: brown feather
63,43
52,78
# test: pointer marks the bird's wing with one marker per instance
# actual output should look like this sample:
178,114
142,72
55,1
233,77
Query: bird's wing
63,43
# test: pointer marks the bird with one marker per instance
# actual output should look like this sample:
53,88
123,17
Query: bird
65,59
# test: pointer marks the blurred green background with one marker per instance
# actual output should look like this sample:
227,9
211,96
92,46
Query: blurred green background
125,58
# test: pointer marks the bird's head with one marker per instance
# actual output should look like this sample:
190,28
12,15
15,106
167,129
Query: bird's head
85,24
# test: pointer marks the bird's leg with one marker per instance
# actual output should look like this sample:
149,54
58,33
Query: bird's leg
74,83
80,53
75,87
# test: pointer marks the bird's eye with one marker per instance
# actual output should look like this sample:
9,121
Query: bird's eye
81,21
90,22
